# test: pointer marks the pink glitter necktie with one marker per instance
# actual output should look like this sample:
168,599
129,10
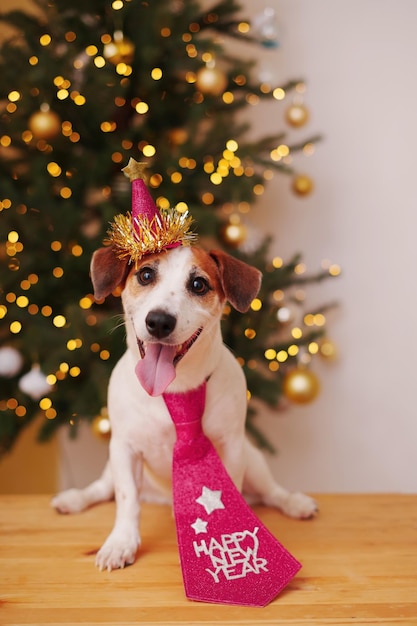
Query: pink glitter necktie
227,555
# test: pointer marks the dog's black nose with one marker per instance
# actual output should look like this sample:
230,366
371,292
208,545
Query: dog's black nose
160,324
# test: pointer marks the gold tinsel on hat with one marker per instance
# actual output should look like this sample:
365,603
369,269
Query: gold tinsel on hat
133,238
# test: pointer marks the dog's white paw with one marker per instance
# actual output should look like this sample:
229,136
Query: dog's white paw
299,505
117,551
70,501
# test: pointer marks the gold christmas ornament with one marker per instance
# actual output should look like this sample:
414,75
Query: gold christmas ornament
302,185
100,426
233,234
211,81
297,115
301,386
120,50
44,124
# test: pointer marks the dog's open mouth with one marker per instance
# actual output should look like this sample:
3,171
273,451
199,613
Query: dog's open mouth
156,369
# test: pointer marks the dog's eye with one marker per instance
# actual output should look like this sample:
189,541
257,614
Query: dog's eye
199,285
145,276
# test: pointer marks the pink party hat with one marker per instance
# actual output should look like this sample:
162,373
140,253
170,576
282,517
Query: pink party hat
147,229
142,204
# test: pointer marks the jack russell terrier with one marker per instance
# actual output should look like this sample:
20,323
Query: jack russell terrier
173,302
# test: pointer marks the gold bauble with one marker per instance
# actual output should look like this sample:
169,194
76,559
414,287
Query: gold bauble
297,115
302,185
44,124
100,426
211,81
233,234
178,136
120,50
301,386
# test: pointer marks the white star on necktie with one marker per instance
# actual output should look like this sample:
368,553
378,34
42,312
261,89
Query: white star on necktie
210,500
199,526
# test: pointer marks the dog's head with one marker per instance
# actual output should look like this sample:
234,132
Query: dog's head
171,299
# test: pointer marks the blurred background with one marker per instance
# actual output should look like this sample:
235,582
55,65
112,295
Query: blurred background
358,61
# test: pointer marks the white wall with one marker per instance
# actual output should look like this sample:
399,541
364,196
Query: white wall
360,62
359,59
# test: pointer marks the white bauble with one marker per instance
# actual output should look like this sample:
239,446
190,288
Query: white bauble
34,383
11,362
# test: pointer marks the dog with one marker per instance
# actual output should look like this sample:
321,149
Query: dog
173,302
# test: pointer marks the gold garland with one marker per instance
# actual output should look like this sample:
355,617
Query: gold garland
133,238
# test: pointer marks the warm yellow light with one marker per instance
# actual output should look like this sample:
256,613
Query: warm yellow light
79,99
117,5
250,333
91,50
228,97
278,93
256,304
335,270
14,96
15,327
22,301
86,302
62,94
74,371
243,27
13,236
182,207
282,356
283,150
156,73
296,332
45,403
142,108
99,62
59,321
149,150
293,350
45,40
309,319
51,379
270,354
300,268
65,193
53,169
76,250
176,177
216,179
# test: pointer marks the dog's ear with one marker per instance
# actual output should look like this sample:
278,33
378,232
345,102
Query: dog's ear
240,281
107,271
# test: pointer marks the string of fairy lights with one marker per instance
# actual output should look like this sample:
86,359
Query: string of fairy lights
45,125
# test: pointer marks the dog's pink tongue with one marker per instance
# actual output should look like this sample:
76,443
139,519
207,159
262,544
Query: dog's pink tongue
156,370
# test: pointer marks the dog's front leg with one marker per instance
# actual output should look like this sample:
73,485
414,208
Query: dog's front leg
121,545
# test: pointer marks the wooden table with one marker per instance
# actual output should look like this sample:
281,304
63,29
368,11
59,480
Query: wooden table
359,567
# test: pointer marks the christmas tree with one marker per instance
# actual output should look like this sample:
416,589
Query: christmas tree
84,86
